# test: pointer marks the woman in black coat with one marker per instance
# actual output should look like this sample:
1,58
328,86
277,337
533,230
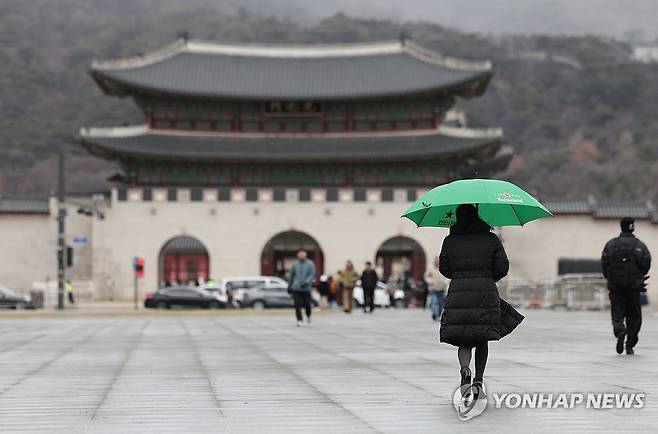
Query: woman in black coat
474,259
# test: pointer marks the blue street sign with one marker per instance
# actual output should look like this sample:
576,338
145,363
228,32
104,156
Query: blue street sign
80,239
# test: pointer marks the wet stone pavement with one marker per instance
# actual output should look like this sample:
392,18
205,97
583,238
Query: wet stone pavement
255,373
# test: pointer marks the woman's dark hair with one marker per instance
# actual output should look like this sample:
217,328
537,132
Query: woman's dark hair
468,219
467,213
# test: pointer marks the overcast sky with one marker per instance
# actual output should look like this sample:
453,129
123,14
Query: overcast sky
603,17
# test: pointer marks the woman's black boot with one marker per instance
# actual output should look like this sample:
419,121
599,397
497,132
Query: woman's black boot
478,390
465,385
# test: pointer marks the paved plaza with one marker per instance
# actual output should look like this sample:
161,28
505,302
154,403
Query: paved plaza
216,372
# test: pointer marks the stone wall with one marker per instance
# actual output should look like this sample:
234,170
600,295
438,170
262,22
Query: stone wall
235,232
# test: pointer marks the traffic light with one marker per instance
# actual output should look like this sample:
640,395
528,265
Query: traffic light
69,256
138,266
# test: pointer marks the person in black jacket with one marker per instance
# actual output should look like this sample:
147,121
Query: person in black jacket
474,258
369,284
625,261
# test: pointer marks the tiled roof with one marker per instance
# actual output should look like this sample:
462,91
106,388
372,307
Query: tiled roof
602,209
569,206
205,69
16,205
144,143
638,210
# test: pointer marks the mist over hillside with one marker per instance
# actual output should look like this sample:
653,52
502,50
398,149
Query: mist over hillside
613,18
579,113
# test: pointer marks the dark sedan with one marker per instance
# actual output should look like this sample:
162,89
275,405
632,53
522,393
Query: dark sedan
183,296
9,299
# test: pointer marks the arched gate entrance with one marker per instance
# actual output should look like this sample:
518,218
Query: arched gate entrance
281,250
398,255
183,259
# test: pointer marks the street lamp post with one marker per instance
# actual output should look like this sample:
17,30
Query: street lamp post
62,248
136,292
61,232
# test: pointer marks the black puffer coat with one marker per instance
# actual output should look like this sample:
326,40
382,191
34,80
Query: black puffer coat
474,258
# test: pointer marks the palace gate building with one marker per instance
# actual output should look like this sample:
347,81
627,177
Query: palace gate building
248,153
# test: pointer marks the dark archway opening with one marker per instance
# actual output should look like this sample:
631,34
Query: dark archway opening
280,253
183,260
398,255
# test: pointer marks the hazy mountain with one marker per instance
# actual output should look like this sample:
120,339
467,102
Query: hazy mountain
579,113
615,18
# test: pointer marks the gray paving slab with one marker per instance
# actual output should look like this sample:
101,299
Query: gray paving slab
381,373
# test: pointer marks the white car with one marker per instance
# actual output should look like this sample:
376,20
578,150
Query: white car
381,295
10,299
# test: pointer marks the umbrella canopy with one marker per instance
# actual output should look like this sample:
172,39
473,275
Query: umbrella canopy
500,203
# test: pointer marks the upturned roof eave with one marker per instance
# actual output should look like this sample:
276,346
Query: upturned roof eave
299,51
485,146
100,151
473,73
470,87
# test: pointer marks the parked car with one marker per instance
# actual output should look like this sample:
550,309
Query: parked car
183,296
216,288
9,299
237,285
260,297
265,296
382,298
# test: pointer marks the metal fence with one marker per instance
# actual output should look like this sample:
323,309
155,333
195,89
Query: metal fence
572,291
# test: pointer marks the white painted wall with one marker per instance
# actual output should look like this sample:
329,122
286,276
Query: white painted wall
27,250
534,250
28,246
235,233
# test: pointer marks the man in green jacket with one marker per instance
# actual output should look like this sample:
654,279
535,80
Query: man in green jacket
300,283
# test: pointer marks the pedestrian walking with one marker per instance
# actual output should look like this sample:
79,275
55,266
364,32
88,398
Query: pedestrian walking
332,291
68,288
474,258
299,284
369,281
422,293
338,286
408,286
323,289
437,286
379,269
230,292
625,262
349,277
392,285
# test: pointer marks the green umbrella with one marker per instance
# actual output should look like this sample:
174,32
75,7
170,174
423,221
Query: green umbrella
500,203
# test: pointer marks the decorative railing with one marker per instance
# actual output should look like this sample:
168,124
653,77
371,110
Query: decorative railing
572,291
